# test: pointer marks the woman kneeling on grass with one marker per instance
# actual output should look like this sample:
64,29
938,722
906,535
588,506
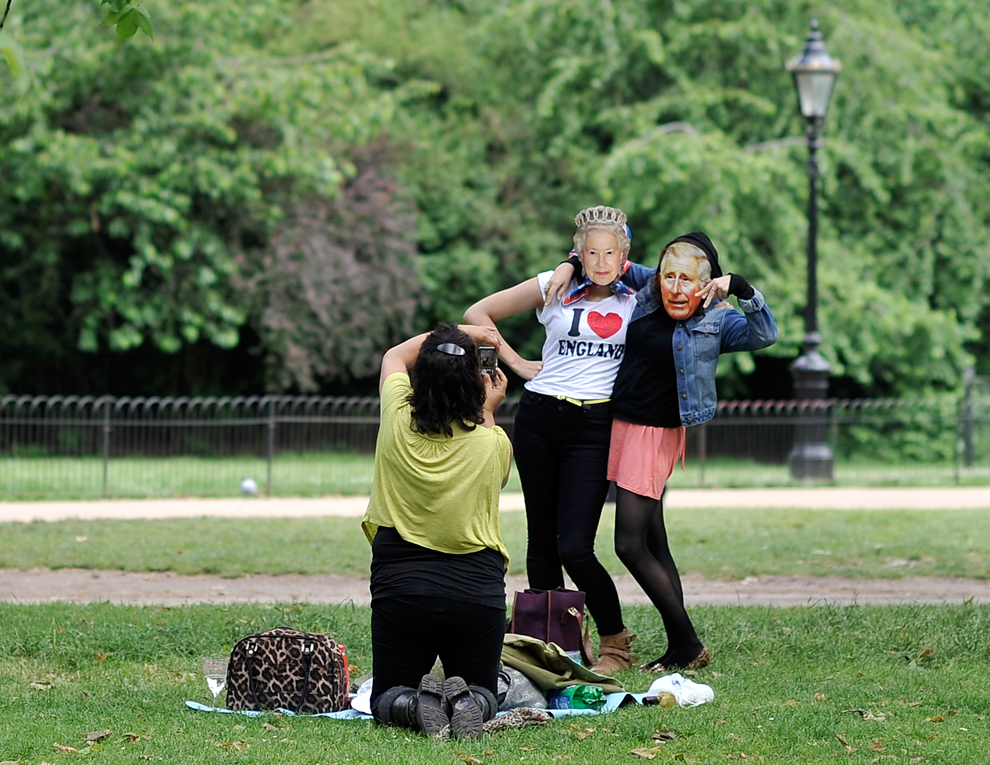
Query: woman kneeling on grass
438,560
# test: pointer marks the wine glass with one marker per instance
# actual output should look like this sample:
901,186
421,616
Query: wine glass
215,672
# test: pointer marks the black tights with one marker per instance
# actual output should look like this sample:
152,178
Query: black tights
641,544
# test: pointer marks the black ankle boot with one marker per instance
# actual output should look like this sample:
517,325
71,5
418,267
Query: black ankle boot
488,700
469,707
422,709
431,711
396,707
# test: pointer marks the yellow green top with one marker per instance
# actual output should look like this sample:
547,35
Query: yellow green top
437,492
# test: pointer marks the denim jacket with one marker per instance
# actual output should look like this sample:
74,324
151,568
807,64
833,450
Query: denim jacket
700,339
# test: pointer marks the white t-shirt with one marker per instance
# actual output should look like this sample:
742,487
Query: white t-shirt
584,347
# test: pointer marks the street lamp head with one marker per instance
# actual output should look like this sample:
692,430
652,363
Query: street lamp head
814,73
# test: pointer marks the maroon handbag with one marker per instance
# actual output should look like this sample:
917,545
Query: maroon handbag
553,616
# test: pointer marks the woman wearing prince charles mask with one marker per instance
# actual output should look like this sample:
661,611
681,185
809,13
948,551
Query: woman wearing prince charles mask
564,422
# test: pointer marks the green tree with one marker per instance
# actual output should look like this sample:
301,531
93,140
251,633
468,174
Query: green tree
142,186
205,189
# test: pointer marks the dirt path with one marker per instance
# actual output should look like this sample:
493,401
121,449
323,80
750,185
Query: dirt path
75,585
83,586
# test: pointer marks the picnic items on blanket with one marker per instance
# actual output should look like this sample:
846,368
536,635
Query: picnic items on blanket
286,669
576,697
549,666
516,690
666,700
361,700
519,717
687,692
554,616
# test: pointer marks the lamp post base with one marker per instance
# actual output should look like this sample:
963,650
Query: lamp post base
813,463
811,460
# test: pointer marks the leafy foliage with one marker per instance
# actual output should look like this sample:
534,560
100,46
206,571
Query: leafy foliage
331,266
151,187
141,182
127,18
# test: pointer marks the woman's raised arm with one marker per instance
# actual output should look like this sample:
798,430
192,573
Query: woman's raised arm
525,296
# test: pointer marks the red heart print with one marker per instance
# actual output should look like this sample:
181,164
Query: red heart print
604,326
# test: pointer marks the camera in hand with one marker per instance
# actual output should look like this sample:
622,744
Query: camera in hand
489,360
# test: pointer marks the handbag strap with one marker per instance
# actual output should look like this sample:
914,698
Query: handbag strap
252,647
587,653
308,650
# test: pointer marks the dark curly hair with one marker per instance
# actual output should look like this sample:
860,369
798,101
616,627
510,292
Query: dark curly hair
446,388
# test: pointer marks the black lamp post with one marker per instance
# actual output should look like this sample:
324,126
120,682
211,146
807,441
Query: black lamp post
814,73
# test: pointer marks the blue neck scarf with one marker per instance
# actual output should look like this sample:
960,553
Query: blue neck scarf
618,287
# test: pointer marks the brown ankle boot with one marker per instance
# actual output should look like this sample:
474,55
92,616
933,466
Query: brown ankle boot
613,653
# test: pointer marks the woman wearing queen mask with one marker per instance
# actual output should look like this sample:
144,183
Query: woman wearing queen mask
564,422
666,382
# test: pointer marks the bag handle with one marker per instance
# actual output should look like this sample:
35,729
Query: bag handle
307,652
252,647
587,652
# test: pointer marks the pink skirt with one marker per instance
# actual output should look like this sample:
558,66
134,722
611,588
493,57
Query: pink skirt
641,458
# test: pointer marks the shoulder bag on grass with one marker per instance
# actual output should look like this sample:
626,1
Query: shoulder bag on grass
553,616
286,669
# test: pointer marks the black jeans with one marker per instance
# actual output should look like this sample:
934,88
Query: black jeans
408,635
561,452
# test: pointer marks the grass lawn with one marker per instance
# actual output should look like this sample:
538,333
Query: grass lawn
717,543
791,686
350,474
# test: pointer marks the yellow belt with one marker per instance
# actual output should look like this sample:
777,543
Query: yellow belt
585,402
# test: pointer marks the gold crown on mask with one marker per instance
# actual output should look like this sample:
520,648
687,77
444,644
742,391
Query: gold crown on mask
588,217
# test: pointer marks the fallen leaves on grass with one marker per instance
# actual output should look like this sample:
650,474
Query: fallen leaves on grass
821,697
63,748
876,746
42,686
866,714
98,735
581,733
268,726
660,737
132,737
237,746
845,744
646,754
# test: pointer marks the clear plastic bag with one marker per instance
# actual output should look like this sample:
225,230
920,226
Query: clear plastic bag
517,690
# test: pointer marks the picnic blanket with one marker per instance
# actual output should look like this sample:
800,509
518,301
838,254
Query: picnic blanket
613,701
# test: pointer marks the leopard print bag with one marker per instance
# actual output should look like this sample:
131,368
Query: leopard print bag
286,669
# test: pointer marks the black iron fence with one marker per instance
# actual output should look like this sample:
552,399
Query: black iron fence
82,446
